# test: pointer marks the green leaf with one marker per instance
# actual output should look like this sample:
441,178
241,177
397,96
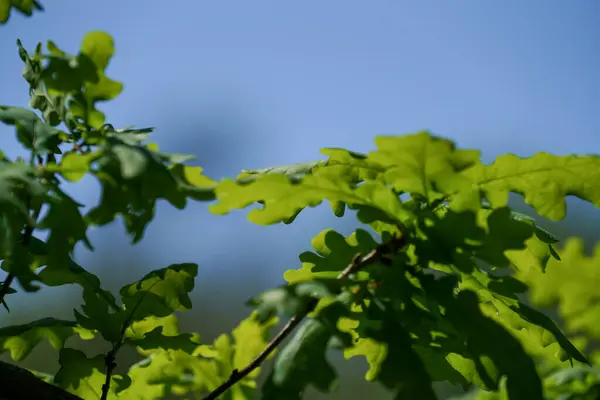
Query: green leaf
134,178
25,7
32,132
333,253
99,47
578,383
160,293
18,191
539,335
157,339
100,310
544,180
74,166
283,199
292,171
296,299
52,106
295,365
399,367
83,78
542,234
423,165
250,338
174,371
490,346
21,339
66,227
353,167
572,283
85,376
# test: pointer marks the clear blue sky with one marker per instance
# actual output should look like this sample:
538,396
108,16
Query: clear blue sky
285,78
515,75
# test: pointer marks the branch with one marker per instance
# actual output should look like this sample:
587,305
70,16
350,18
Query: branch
17,383
110,358
358,262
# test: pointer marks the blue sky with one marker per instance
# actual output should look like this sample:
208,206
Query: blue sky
251,84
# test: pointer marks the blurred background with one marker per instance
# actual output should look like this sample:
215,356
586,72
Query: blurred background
245,84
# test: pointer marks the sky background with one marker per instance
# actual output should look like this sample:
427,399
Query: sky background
252,84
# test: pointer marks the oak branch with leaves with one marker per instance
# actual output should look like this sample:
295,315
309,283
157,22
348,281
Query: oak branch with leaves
430,289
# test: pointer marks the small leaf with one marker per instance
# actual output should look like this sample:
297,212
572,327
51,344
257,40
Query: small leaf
160,293
25,7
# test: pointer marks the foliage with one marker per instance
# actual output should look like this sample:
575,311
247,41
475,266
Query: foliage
431,290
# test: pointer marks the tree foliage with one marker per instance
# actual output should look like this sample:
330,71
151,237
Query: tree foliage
432,288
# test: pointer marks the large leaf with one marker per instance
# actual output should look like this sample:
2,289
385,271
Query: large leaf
283,199
544,180
85,376
20,340
493,350
572,284
297,362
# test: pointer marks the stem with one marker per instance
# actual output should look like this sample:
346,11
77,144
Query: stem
109,360
356,264
236,375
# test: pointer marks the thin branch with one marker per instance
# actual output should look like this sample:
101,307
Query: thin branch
109,360
358,262
236,375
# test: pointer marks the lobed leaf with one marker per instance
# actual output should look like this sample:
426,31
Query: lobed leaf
159,293
32,132
296,363
20,340
85,376
572,285
544,180
493,350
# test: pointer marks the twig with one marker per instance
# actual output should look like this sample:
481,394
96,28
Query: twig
236,375
109,360
356,264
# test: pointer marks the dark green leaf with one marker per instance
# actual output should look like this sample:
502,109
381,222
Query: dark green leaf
300,363
32,132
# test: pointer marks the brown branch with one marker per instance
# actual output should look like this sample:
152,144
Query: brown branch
236,375
358,262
